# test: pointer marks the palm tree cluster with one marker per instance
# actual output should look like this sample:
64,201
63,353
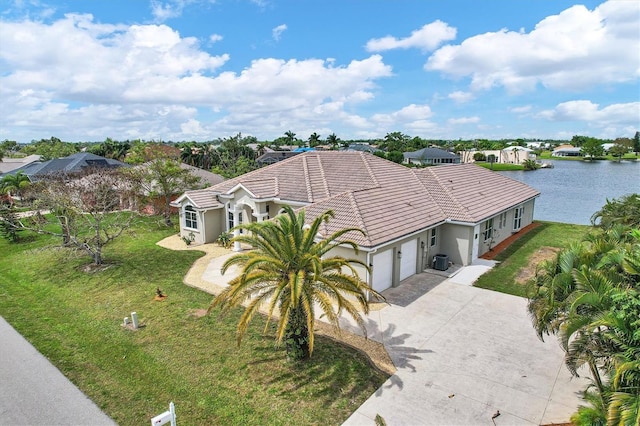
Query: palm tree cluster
589,297
290,272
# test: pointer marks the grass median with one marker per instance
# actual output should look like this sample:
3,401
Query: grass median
74,318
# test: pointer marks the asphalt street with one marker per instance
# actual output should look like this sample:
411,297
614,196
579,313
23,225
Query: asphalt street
34,392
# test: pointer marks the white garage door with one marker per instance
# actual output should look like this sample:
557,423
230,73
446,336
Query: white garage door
382,272
409,258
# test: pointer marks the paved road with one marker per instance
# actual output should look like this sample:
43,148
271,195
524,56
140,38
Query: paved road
34,392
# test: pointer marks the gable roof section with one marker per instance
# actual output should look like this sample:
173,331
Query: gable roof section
385,199
201,199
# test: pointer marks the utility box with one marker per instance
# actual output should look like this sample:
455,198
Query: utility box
441,262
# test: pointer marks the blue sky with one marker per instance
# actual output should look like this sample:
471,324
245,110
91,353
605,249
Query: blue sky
203,69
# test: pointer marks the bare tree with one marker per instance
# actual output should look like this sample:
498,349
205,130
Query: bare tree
92,208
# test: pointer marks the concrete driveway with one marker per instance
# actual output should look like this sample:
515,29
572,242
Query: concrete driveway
462,354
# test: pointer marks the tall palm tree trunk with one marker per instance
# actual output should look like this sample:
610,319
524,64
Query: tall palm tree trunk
297,334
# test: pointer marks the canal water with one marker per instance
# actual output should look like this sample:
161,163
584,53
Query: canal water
573,190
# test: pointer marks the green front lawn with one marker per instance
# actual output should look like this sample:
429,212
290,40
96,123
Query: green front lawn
74,318
500,167
517,256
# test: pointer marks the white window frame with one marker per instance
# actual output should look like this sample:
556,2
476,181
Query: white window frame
518,212
433,237
502,220
231,222
190,217
487,229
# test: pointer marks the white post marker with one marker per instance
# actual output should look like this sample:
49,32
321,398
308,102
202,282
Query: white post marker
134,319
167,416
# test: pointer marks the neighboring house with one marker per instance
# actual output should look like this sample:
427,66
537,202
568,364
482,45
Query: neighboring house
409,215
566,151
509,155
430,157
361,147
156,204
9,164
516,155
272,157
75,163
607,146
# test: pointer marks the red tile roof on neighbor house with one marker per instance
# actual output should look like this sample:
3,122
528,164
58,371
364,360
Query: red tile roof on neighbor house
384,199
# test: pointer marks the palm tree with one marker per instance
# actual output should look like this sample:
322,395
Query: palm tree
314,139
588,296
289,271
14,184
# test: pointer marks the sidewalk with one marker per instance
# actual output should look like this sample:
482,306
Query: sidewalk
34,392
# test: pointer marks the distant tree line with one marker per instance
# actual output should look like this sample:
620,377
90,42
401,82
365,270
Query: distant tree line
235,155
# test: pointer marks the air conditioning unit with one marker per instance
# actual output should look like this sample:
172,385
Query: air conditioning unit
441,262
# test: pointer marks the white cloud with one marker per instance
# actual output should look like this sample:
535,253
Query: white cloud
521,110
463,120
627,114
276,33
148,81
426,38
214,38
573,50
461,97
412,118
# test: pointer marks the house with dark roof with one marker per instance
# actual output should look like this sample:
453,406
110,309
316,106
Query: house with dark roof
411,217
430,157
271,157
75,163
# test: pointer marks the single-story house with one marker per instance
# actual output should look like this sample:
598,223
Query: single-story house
410,217
74,163
156,205
271,157
430,157
567,151
9,164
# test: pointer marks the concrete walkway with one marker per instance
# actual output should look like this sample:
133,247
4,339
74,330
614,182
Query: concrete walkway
34,392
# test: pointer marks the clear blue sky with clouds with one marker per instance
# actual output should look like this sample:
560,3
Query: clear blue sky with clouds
182,70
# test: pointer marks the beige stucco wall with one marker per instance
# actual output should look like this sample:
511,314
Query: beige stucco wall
502,233
214,223
348,253
456,242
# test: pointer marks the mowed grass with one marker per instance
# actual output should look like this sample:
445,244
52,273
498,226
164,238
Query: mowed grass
502,277
74,318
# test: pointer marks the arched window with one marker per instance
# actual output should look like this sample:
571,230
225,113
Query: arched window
190,218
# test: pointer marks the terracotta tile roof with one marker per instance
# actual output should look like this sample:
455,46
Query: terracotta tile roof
202,199
384,199
470,193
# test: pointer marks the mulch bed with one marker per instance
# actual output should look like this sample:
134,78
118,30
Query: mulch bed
491,254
